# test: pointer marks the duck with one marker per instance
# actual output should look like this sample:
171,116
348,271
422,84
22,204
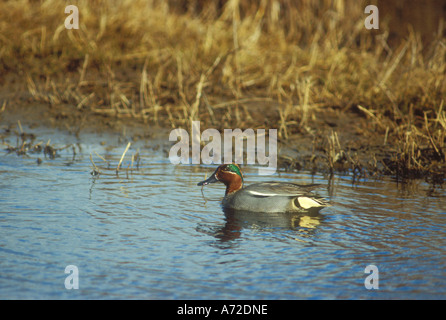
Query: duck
271,197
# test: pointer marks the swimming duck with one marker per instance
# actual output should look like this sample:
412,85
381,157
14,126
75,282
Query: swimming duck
263,196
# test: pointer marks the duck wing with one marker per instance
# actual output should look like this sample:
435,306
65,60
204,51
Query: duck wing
279,189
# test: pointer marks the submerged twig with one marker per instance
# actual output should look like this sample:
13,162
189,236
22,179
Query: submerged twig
103,159
20,126
122,157
202,187
96,170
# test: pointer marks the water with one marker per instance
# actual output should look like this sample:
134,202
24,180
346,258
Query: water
150,233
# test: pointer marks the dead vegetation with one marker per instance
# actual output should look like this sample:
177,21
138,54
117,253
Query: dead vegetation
240,63
26,145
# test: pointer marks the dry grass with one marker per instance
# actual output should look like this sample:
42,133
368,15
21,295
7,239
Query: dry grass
169,63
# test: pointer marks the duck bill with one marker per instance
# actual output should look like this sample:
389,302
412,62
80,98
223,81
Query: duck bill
211,179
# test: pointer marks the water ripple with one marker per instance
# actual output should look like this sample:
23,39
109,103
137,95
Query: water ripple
152,233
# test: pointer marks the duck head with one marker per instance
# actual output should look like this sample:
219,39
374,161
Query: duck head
230,174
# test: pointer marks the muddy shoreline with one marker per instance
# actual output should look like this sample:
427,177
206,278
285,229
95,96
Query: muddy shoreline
336,141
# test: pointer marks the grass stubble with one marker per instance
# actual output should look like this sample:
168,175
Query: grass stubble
303,67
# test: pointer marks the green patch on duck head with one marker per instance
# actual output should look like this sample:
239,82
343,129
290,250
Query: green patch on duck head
232,167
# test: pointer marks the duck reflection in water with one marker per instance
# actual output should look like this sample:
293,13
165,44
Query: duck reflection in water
303,224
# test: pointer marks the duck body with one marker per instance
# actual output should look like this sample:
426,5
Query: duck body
264,196
273,197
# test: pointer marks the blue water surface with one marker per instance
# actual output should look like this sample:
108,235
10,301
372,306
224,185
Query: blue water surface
150,232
